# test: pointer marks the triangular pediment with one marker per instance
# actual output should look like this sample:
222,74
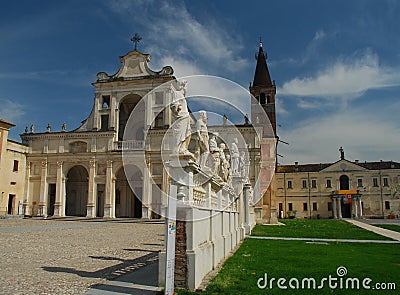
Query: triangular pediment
343,165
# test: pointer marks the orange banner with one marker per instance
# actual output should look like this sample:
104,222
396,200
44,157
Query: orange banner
347,192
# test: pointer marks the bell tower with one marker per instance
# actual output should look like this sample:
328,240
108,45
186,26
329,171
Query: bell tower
263,88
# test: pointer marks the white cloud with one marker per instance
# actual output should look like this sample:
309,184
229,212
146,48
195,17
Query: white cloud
365,135
172,25
319,35
11,111
345,79
181,67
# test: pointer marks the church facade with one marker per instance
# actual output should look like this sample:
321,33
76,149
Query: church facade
98,170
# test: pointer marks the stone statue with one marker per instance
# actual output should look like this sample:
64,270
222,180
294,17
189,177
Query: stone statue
222,161
181,130
235,157
242,166
64,127
32,128
214,150
202,133
48,128
227,167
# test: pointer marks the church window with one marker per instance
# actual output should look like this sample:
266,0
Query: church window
159,99
375,182
359,182
159,120
328,183
15,166
385,181
290,206
315,206
104,123
106,101
305,206
268,98
304,182
289,184
262,98
387,205
313,183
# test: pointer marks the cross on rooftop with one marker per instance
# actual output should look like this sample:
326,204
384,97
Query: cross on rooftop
136,39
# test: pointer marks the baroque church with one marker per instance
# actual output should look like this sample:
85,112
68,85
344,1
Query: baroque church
106,169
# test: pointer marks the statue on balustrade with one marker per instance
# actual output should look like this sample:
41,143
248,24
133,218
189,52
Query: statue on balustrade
181,129
203,138
235,157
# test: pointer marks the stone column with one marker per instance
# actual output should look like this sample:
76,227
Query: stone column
360,212
334,207
43,190
91,202
340,207
246,195
27,209
147,202
59,208
355,213
109,204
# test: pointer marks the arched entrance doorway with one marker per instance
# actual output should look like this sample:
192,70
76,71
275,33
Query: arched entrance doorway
126,106
346,202
127,202
76,191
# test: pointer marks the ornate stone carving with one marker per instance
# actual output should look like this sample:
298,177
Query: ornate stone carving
202,133
181,130
235,157
243,166
214,150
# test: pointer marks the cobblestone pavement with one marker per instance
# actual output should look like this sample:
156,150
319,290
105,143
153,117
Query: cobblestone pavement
67,257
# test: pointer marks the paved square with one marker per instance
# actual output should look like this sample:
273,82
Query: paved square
67,257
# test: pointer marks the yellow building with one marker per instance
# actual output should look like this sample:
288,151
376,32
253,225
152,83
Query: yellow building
343,189
12,172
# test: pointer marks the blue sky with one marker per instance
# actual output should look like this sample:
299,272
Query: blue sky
336,63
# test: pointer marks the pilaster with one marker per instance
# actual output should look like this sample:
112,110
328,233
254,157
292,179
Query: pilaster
59,208
43,190
91,205
27,209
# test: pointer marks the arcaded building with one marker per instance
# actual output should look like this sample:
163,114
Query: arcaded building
98,170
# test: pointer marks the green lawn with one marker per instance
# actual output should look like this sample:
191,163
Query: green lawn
316,228
392,227
298,259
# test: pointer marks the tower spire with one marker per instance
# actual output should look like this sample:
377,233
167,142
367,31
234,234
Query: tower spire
263,88
261,75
